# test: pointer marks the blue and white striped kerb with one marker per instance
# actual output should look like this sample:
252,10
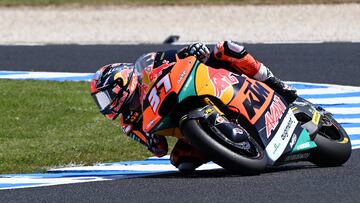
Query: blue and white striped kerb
55,76
342,101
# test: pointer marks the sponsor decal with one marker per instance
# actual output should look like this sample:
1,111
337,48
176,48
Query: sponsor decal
297,157
303,146
156,72
181,77
274,114
316,118
220,119
286,131
208,111
293,140
256,96
294,108
238,131
282,137
222,79
303,142
276,147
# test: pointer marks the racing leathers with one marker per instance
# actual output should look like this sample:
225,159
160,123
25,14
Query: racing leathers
226,54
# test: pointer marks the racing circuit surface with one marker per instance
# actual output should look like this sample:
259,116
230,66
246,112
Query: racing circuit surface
336,63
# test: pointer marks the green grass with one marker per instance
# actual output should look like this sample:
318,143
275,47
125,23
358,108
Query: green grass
48,124
164,2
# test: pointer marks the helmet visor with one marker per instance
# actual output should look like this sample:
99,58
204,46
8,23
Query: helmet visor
111,100
102,99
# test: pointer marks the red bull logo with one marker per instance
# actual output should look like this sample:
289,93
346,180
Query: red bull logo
221,79
156,72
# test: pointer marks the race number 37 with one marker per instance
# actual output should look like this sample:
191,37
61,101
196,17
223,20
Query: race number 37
154,98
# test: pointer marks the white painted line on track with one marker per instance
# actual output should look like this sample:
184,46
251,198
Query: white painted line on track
334,100
344,110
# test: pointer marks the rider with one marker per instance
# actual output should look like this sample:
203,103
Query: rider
116,89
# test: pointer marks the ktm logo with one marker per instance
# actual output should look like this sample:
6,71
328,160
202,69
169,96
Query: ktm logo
273,116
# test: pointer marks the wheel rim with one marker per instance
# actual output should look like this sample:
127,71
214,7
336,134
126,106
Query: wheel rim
249,148
330,130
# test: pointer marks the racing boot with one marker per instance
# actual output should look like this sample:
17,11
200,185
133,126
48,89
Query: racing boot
286,91
185,157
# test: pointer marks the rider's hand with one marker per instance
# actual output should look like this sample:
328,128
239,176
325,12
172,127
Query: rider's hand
198,49
157,145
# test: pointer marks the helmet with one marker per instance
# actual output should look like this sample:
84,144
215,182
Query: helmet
112,87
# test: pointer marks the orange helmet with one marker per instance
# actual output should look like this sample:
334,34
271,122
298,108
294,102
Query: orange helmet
112,87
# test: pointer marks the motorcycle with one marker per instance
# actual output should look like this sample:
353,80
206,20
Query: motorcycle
237,122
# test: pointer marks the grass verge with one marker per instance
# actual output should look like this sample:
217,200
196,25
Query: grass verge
166,2
48,124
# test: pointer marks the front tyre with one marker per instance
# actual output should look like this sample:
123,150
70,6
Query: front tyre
219,153
333,144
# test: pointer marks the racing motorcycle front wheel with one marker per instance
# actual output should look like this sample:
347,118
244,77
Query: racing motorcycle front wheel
246,157
333,144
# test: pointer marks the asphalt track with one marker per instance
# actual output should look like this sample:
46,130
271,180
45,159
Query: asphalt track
336,63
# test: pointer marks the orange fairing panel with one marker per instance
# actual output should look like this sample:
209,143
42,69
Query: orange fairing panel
252,99
217,82
156,92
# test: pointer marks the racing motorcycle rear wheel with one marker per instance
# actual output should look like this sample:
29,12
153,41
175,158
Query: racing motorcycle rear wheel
235,159
333,144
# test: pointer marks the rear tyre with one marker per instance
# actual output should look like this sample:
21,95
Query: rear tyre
220,153
333,144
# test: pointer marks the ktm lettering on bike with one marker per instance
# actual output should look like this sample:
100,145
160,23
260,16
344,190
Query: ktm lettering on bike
256,96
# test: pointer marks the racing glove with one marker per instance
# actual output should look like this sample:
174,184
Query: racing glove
198,49
157,145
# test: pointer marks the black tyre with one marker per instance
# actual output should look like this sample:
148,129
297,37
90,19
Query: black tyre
220,153
333,144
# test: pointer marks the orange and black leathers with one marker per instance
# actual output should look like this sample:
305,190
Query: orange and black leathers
131,124
232,56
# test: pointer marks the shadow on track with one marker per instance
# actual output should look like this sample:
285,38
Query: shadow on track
222,173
